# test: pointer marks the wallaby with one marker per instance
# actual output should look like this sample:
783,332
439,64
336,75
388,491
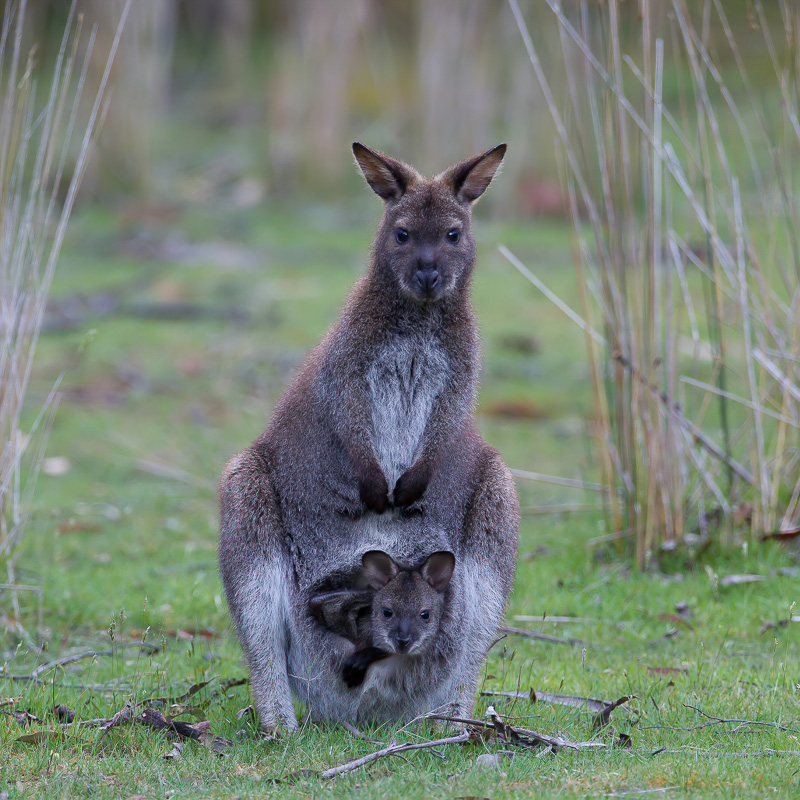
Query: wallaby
399,613
373,447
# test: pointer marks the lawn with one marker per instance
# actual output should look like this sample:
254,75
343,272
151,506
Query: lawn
174,349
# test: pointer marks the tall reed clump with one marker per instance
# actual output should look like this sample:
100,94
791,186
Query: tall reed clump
681,171
43,154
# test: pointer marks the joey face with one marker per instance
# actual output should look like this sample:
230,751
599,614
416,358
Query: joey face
425,239
405,614
408,604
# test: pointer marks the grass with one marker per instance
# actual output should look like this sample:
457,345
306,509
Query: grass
123,544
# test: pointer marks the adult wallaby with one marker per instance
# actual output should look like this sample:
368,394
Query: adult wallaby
399,614
373,447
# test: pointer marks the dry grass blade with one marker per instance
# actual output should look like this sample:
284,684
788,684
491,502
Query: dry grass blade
640,169
35,142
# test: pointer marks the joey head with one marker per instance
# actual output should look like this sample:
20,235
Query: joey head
398,614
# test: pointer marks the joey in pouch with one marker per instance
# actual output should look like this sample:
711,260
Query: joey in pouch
398,614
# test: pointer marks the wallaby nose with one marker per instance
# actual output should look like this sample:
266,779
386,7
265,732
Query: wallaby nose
427,279
403,640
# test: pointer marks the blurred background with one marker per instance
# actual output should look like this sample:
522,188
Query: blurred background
221,222
246,101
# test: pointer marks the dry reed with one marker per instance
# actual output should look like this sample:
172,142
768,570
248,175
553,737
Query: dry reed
686,258
40,172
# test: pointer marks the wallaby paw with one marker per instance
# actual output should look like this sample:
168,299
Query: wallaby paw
374,492
356,666
411,485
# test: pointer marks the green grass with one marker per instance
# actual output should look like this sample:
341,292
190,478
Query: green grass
112,544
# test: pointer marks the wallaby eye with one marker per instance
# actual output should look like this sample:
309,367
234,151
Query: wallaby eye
401,234
425,614
454,235
387,612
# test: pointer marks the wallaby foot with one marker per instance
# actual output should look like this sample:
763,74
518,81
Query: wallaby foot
355,668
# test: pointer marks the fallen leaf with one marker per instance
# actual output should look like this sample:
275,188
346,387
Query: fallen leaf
37,737
188,635
624,740
781,536
603,717
520,343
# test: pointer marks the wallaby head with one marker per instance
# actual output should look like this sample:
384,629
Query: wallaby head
408,604
425,238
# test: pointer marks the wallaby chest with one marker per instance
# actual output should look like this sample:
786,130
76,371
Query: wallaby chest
405,378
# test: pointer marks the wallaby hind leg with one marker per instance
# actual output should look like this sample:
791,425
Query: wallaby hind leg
489,544
254,572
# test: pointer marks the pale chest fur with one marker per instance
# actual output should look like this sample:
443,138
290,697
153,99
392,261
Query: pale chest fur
404,381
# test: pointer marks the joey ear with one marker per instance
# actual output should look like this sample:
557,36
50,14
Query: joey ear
471,178
438,569
378,568
388,177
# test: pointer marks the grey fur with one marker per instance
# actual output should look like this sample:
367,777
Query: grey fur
373,447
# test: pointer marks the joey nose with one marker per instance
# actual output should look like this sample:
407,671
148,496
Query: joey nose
403,640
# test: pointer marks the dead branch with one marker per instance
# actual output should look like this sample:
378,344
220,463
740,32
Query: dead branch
738,722
518,736
60,662
391,750
544,637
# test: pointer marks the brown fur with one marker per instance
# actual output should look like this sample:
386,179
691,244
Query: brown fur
373,446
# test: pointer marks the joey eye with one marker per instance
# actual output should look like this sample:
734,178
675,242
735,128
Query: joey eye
401,234
425,614
387,612
453,236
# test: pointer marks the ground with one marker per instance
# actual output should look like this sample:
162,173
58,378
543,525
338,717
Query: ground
174,348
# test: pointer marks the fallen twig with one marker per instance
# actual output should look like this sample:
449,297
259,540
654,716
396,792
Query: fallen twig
543,637
391,749
60,662
518,736
738,722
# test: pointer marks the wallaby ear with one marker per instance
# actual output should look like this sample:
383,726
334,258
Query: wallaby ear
388,177
378,568
471,178
438,569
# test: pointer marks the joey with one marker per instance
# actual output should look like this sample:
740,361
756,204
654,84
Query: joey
398,614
